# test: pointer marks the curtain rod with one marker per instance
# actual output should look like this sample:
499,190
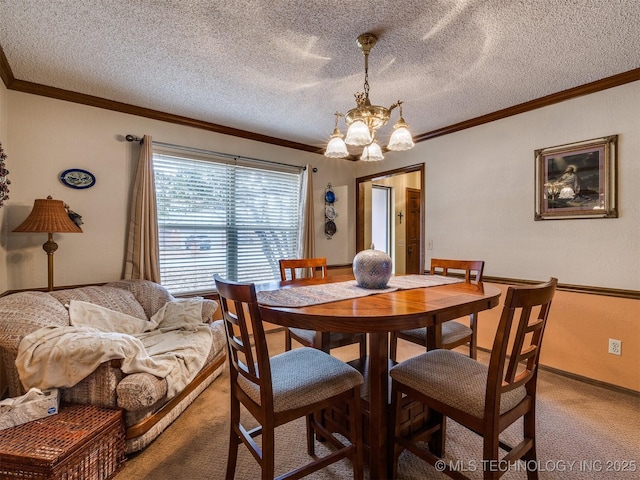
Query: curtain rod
134,138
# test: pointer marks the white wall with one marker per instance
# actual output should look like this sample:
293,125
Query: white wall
480,194
479,190
48,136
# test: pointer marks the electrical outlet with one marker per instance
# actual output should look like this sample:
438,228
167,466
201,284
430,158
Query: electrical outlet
615,346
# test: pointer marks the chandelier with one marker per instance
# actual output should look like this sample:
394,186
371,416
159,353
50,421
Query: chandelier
364,121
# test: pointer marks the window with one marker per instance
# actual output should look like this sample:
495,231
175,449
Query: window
222,216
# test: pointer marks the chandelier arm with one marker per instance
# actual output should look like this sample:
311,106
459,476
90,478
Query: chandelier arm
397,104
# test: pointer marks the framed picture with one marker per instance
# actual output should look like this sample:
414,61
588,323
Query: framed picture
577,180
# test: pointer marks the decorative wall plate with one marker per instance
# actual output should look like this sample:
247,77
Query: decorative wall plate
330,212
330,228
329,196
77,178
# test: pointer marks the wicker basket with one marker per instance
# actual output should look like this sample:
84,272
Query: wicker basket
81,442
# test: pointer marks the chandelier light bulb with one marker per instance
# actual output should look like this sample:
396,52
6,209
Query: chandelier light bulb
401,138
372,153
358,134
336,148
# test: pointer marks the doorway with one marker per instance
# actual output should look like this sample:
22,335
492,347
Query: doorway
406,215
381,228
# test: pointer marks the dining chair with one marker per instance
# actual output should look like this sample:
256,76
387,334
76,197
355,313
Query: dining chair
483,398
325,341
277,390
454,333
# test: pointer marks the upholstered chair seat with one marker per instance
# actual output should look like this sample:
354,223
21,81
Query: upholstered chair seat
293,387
452,332
309,336
453,378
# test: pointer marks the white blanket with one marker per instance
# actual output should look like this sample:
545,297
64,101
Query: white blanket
173,344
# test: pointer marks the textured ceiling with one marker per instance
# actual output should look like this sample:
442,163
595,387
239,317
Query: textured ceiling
281,68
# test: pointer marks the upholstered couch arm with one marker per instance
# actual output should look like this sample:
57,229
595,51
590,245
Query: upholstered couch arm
98,388
21,314
109,387
25,312
140,391
209,307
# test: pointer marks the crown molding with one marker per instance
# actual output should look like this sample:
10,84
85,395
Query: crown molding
90,100
586,89
5,70
52,92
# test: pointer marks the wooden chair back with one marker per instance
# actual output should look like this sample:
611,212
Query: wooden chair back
291,269
250,374
472,271
308,268
472,268
524,318
248,353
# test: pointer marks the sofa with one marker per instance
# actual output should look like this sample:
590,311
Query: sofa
142,396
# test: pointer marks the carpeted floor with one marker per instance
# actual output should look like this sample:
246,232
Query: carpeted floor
583,432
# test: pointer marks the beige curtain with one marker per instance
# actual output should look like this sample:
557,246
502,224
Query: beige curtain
143,259
306,245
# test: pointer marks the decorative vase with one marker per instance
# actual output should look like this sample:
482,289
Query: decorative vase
372,269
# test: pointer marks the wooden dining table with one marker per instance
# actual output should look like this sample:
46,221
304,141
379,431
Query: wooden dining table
377,315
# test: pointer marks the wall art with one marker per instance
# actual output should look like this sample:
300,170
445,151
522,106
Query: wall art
576,180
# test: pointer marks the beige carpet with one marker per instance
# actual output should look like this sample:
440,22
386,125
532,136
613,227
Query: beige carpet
584,432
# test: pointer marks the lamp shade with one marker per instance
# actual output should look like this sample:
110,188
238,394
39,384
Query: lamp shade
336,148
401,138
48,216
358,134
372,153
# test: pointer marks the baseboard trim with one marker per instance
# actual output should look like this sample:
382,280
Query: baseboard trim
581,378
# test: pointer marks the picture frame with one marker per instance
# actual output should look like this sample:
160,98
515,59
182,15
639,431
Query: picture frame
577,180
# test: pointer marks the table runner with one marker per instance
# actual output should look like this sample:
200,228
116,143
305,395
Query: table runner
308,295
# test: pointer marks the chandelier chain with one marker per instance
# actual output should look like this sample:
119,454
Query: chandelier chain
366,75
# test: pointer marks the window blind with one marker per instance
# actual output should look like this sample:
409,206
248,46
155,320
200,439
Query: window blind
217,216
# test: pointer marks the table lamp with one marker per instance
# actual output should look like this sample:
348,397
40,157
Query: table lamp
48,216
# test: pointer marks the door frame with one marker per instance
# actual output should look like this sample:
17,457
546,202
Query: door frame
360,204
406,253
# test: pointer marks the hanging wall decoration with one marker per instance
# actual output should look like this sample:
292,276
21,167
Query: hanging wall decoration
4,180
577,180
77,178
329,212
